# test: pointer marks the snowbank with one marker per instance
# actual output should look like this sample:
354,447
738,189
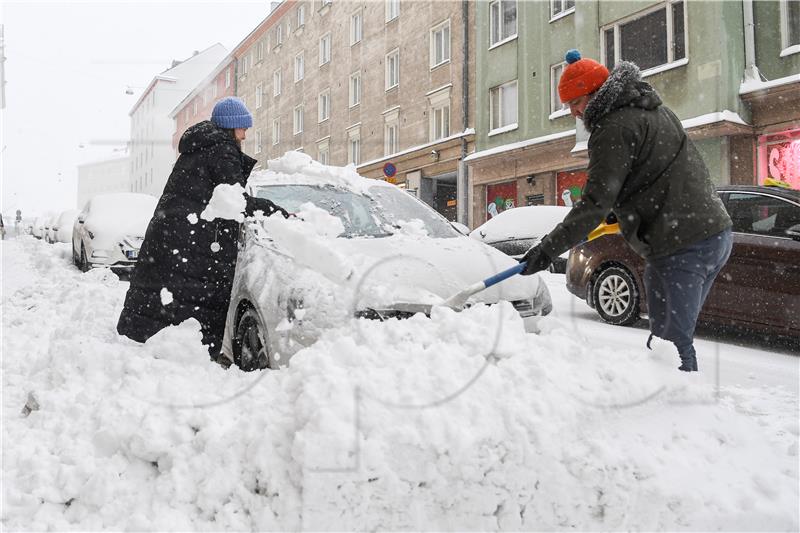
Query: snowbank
458,422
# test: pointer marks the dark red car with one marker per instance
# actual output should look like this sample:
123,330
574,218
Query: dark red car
759,287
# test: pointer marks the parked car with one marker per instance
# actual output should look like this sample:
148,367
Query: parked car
759,287
514,231
279,303
49,228
110,230
38,227
61,231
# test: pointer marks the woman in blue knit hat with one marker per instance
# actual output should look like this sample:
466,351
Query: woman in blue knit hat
193,258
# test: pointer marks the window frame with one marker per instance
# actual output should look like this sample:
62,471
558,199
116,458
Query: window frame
563,109
787,48
324,146
276,131
300,16
278,33
298,117
354,141
388,12
228,77
502,40
276,87
259,94
496,129
352,102
329,38
448,44
326,94
388,72
355,39
671,62
563,12
257,142
299,72
728,194
390,148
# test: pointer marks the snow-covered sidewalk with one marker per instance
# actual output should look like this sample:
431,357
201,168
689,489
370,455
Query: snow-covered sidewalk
458,422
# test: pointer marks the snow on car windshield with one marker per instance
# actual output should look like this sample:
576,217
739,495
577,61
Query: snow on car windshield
377,214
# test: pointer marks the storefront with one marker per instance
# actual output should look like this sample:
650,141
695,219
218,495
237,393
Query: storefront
778,158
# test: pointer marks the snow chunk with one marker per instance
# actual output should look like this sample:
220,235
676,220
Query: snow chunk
166,296
192,218
227,202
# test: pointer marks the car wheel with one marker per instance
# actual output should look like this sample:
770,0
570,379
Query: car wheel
616,296
249,346
84,264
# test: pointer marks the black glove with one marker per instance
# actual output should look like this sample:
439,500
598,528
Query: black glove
536,260
262,204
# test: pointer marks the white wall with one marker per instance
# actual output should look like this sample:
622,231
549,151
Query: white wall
110,175
152,156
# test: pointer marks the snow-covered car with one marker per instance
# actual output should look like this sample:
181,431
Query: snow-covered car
356,248
514,231
37,230
110,230
61,230
47,231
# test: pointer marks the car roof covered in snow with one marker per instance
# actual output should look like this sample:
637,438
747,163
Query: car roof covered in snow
297,168
521,223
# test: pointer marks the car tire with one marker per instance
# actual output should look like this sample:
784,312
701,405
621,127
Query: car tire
84,263
249,342
616,296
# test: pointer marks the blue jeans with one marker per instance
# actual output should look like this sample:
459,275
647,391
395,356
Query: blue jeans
677,286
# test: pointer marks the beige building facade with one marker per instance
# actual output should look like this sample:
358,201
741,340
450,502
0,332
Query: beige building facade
383,85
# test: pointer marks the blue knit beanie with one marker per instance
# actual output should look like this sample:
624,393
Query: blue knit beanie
231,113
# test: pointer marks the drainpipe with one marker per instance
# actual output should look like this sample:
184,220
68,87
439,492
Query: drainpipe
751,71
462,176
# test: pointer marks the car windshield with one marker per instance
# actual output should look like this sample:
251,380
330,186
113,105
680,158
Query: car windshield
377,214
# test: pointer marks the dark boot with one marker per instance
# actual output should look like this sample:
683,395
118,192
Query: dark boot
688,358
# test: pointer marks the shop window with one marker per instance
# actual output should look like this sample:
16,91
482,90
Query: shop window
500,197
502,21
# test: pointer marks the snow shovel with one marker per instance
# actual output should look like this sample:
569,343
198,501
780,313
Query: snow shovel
458,300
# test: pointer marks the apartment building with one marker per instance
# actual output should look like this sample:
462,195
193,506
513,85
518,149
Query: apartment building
152,129
106,176
383,85
709,61
198,104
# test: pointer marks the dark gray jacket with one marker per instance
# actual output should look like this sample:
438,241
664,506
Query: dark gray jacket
644,169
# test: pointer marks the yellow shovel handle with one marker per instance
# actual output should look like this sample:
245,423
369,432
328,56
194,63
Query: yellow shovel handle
603,229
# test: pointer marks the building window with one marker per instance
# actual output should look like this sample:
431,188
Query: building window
355,89
298,119
276,131
257,142
557,107
324,3
354,146
260,52
279,35
561,7
324,105
391,136
440,122
194,107
502,20
259,95
392,9
301,16
440,44
325,49
790,27
214,90
503,106
299,67
228,78
276,83
356,27
324,152
392,69
650,39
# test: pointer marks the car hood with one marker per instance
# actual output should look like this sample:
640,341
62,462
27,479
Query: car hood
398,269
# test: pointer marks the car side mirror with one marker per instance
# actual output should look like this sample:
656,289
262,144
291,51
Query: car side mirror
81,219
794,232
461,228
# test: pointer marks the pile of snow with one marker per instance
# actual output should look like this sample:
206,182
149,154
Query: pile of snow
297,167
227,202
458,422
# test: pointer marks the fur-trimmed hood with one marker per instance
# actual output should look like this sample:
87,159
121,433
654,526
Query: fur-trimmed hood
624,87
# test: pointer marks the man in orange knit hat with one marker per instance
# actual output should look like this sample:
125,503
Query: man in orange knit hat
645,171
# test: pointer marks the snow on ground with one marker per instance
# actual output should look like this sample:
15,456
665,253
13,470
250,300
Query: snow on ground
458,422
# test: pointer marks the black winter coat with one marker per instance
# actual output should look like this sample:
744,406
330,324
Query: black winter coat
643,168
193,258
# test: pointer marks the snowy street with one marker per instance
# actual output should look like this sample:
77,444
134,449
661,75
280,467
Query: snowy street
461,421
